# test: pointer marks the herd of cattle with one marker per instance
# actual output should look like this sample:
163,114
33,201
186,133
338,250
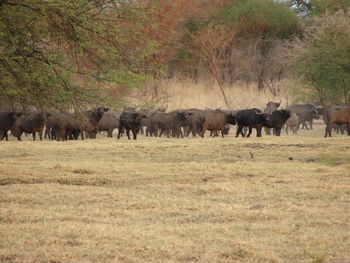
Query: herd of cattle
178,123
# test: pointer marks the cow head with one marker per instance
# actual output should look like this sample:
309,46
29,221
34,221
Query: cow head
97,113
161,109
15,114
231,118
272,106
139,115
261,116
285,114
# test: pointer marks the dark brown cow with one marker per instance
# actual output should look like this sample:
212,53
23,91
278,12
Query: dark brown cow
338,116
216,120
109,122
29,124
72,123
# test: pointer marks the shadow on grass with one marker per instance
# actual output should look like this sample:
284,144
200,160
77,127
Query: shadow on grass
334,159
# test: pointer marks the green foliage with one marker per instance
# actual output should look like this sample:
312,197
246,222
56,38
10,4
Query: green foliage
254,19
323,64
51,52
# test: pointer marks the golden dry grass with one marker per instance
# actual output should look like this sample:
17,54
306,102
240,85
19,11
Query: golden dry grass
179,94
176,200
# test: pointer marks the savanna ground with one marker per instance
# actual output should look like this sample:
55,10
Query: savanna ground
270,199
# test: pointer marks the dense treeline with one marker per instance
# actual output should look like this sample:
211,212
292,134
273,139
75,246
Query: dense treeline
72,53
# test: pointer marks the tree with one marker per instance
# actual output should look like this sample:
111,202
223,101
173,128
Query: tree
212,42
259,27
321,61
58,53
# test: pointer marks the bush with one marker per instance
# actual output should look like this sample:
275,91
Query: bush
322,63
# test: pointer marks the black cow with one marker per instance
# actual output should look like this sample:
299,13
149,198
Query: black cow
130,120
251,118
271,107
7,119
276,120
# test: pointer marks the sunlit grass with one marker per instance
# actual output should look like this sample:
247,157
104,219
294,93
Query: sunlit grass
269,199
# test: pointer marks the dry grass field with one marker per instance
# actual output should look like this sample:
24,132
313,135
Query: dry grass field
270,199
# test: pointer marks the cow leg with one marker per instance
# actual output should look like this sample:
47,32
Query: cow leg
329,130
128,133
62,135
34,135
278,131
222,132
287,129
258,132
119,131
238,131
4,134
40,135
348,127
204,129
19,137
194,130
134,133
250,131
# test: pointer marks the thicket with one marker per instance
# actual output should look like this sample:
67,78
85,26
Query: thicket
321,62
75,53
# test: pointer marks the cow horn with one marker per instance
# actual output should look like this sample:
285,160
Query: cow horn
259,113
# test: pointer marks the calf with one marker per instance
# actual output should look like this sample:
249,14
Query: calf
292,123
